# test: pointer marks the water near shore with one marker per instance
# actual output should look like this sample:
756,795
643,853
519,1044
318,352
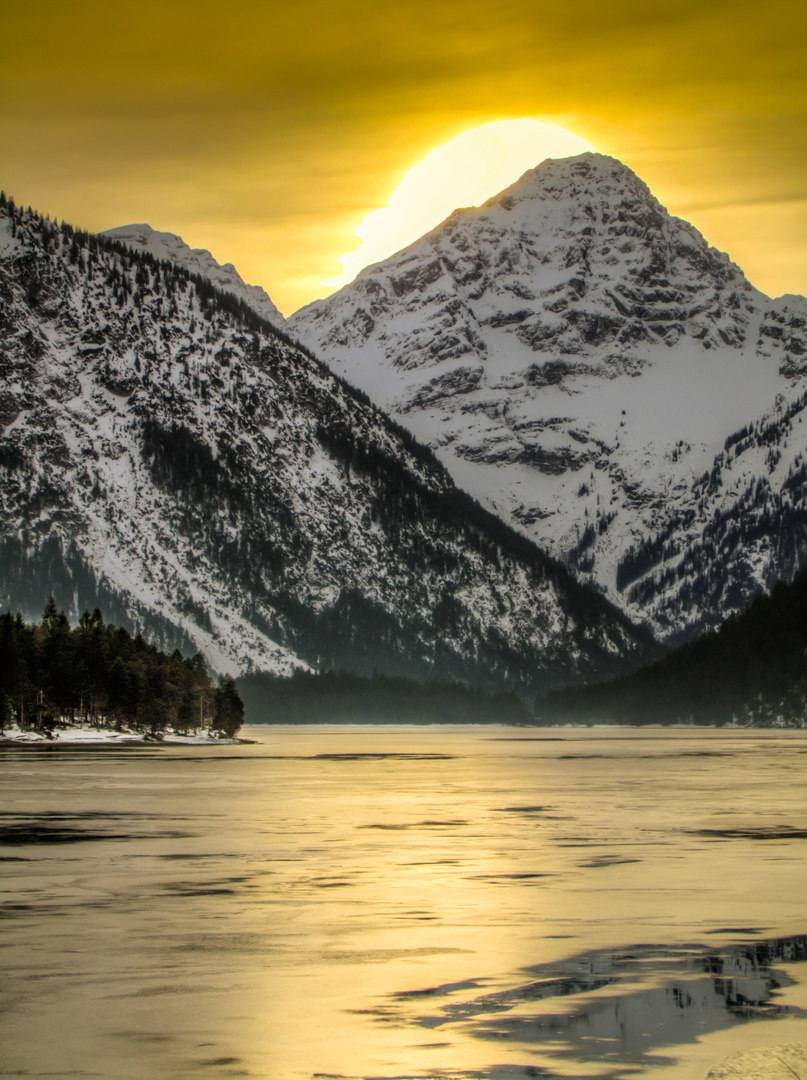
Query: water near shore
406,903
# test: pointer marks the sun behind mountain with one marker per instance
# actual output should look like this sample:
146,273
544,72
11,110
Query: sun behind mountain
465,171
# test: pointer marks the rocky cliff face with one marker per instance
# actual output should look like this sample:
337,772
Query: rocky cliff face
167,452
592,371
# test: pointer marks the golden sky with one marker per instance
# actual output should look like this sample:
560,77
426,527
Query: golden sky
267,132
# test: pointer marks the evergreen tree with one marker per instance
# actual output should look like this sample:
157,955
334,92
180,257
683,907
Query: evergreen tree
228,708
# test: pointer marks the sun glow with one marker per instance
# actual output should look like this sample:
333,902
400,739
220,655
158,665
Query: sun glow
465,171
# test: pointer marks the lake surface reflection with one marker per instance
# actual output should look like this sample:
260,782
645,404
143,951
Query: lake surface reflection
404,903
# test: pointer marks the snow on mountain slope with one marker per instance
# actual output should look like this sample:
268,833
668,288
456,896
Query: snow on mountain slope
578,358
171,456
172,248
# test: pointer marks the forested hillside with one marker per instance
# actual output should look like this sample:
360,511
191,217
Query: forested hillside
751,670
97,674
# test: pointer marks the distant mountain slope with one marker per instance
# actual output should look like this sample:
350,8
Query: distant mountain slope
169,454
751,670
337,698
591,370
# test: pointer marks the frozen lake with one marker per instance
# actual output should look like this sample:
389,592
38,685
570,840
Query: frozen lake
377,902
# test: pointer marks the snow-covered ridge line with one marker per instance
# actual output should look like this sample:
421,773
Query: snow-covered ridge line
469,507
171,248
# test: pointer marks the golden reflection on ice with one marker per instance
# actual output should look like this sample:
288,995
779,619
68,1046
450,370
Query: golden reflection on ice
425,903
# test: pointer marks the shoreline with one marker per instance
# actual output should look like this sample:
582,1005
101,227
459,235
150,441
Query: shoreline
67,738
102,738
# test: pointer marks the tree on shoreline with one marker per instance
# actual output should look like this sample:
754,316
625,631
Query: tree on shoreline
97,674
228,708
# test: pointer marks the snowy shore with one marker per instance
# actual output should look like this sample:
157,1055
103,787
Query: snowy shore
90,736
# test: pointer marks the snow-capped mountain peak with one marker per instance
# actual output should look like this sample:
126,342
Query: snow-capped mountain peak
578,357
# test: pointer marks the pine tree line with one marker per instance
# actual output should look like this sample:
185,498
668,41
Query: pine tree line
97,674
